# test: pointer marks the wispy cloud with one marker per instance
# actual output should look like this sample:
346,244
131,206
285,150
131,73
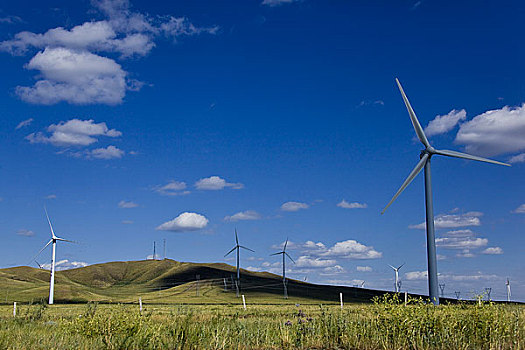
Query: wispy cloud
243,215
493,251
26,233
127,204
172,188
444,123
520,209
273,3
294,206
354,205
214,183
24,123
453,220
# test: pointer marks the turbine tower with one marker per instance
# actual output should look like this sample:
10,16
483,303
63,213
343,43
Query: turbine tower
238,247
52,241
397,283
508,290
424,162
285,254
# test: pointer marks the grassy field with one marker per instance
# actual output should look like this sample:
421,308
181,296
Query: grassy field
386,324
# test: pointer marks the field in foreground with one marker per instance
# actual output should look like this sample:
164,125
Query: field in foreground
386,324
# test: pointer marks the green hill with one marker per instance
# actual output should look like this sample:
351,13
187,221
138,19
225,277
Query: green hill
164,281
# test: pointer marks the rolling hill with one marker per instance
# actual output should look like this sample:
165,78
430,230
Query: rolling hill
165,281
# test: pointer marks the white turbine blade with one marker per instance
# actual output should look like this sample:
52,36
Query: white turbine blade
417,127
243,247
455,154
65,240
409,179
41,250
50,226
393,268
276,253
289,257
230,251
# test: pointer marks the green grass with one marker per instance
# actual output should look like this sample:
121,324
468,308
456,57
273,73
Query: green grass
386,324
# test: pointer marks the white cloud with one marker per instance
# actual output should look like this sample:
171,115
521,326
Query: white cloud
273,3
80,48
466,253
127,204
519,158
461,242
185,222
110,152
51,196
453,220
78,77
355,205
444,123
24,123
349,249
244,215
74,132
172,188
151,257
364,268
65,265
416,275
294,206
493,251
216,183
520,209
307,261
10,19
332,270
494,132
26,233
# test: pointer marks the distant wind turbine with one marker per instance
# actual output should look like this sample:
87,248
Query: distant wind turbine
52,241
238,247
424,162
508,290
397,283
285,254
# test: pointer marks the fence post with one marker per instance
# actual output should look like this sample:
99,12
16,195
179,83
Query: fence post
140,304
243,302
341,299
406,298
14,309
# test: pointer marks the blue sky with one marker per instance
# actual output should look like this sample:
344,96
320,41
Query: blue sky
278,118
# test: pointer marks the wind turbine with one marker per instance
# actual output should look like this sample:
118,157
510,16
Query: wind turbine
285,254
508,290
238,247
396,271
53,241
424,162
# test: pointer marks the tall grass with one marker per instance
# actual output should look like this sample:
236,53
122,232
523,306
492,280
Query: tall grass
386,324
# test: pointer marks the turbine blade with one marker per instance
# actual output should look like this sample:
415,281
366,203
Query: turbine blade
41,250
50,226
289,257
236,238
417,127
392,266
276,253
230,251
455,154
65,240
409,179
401,266
243,247
285,244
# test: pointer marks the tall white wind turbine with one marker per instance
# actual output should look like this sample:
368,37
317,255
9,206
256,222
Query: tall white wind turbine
285,254
424,162
396,271
238,247
52,241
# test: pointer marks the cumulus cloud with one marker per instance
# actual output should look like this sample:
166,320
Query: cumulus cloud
127,204
172,188
332,270
416,275
355,205
494,132
351,249
26,233
74,132
307,261
215,183
520,209
363,268
65,265
185,222
24,123
493,251
453,220
81,49
78,77
110,152
444,123
294,206
273,3
461,242
519,158
244,215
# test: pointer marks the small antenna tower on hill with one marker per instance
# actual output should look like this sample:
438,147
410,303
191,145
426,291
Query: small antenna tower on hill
154,251
457,294
164,248
488,291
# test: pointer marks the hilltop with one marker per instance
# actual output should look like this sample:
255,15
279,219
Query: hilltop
164,281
